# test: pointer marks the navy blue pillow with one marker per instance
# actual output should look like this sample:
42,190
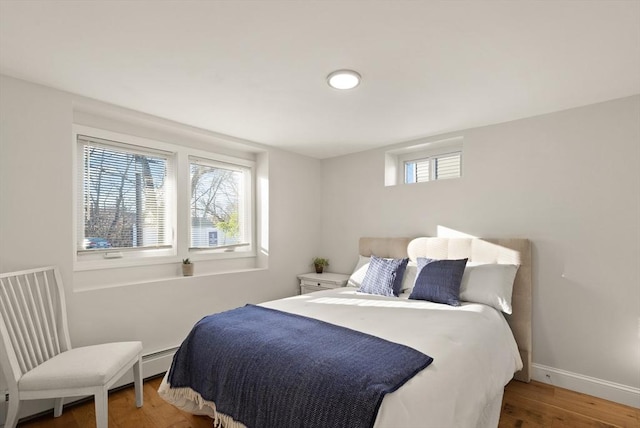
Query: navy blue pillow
384,276
439,281
397,282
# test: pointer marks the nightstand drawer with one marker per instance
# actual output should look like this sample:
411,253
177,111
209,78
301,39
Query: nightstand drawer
311,282
310,288
324,284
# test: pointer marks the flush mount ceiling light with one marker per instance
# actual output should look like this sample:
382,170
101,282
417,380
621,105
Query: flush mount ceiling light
343,79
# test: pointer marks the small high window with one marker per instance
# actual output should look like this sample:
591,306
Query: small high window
437,167
422,161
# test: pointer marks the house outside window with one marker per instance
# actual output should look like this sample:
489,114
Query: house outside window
213,238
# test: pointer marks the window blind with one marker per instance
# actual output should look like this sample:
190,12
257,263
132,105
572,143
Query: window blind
437,167
447,166
125,192
417,171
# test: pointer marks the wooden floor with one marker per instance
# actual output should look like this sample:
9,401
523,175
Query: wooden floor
540,405
524,405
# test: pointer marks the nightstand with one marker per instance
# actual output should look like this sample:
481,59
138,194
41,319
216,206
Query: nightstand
310,282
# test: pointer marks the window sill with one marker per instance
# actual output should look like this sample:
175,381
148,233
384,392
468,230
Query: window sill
162,279
95,279
117,263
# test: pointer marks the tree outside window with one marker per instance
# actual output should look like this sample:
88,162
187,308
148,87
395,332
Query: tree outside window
216,204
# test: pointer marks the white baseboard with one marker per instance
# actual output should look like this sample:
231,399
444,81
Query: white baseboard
611,391
152,364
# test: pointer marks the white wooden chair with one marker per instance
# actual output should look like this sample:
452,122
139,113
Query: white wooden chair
36,355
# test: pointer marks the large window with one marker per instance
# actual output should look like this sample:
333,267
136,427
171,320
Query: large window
141,201
220,202
125,196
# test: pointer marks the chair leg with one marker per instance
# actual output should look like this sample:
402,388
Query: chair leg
137,381
57,407
12,414
102,408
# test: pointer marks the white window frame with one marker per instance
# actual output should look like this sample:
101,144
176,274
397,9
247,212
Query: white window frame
249,205
98,259
397,158
179,210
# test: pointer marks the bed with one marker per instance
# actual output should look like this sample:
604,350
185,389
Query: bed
476,348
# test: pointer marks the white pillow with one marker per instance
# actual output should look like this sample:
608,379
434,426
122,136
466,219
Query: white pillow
490,284
356,278
409,277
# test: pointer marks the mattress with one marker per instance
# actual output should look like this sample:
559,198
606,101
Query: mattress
473,349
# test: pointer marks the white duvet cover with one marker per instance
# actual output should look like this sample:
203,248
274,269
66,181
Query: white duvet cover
474,355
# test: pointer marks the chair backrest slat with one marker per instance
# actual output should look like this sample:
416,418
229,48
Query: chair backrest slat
21,323
40,317
33,320
47,331
30,302
10,323
13,324
50,310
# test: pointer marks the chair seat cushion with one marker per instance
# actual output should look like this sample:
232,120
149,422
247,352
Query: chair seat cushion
81,367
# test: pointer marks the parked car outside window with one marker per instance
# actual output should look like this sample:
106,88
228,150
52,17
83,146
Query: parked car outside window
96,243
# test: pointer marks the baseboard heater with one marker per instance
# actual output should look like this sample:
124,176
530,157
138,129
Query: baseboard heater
163,353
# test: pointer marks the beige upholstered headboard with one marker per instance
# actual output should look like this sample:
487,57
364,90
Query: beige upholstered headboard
507,251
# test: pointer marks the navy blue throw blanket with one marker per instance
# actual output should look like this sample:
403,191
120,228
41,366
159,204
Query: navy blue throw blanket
272,369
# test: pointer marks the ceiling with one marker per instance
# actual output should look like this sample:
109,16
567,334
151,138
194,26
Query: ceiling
257,69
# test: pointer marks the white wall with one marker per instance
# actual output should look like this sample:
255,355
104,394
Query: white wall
570,182
36,169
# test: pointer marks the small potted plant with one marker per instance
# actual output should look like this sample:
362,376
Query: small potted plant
187,267
320,263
